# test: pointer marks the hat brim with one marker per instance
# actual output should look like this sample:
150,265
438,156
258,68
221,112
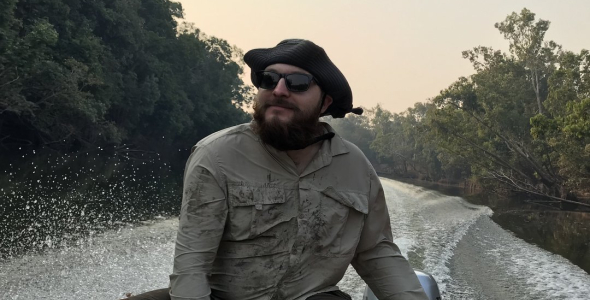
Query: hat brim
312,58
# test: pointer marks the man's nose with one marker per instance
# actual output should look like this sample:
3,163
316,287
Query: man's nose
281,89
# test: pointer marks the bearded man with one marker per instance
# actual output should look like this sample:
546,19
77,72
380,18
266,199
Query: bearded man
279,208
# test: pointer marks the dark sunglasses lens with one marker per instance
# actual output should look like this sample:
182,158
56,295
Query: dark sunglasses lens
298,82
268,80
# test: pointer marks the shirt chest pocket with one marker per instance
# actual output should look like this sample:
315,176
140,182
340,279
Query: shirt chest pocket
257,211
342,219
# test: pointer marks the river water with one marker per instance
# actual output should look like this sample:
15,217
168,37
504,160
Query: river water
469,255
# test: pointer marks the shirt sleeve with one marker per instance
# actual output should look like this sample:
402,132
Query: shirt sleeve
202,220
378,260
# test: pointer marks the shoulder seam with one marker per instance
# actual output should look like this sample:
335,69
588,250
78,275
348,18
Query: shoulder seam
230,131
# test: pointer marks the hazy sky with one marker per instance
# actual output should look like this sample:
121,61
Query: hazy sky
395,53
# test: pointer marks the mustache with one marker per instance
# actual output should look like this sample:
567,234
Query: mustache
281,102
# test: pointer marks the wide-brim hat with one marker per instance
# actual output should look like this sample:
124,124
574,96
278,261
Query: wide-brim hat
312,58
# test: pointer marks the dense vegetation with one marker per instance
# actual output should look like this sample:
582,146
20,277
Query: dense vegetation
521,122
96,100
76,74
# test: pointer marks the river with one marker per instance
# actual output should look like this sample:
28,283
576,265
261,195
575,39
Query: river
469,255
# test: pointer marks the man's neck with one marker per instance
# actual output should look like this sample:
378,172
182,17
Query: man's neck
303,157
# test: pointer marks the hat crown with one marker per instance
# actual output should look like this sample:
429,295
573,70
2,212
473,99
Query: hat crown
291,42
312,58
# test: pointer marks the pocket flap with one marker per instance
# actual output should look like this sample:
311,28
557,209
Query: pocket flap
244,195
357,201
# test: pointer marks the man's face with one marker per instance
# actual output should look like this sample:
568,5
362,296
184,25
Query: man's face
286,119
281,105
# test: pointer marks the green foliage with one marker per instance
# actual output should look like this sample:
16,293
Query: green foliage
521,121
76,73
491,115
402,141
79,73
528,46
567,132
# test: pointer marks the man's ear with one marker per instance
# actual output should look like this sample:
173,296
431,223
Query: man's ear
327,101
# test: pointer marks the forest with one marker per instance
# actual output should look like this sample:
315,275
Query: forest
519,125
122,74
130,75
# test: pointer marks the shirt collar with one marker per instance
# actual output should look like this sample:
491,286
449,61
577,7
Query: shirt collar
335,146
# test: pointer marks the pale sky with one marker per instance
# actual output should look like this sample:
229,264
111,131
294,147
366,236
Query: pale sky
395,53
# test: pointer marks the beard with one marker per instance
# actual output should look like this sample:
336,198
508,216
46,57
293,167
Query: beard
299,132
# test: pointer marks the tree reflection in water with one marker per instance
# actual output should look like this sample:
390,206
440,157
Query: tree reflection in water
563,233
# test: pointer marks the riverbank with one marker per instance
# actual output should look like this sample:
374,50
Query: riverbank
566,233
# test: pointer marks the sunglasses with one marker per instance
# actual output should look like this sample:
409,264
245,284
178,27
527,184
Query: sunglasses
268,80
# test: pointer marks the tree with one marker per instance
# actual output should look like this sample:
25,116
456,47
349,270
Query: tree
567,131
506,130
76,74
527,44
403,140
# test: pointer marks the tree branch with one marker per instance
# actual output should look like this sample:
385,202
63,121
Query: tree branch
514,183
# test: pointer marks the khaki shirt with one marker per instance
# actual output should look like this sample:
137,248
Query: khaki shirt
251,227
